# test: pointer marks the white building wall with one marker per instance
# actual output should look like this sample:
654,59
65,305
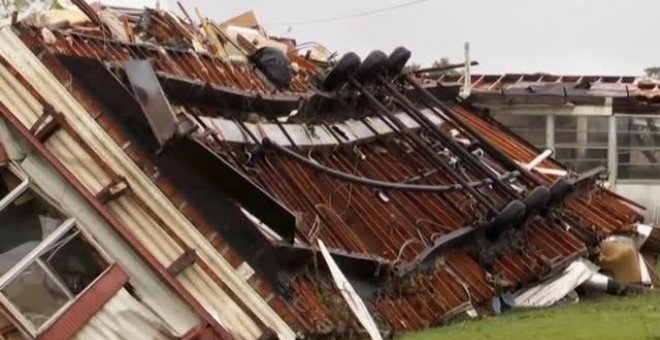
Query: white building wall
646,193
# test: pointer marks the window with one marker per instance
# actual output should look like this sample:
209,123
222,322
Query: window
46,260
581,142
530,127
638,139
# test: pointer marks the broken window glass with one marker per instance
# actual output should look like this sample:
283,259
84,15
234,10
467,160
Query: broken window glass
25,219
75,261
52,275
46,261
35,294
8,181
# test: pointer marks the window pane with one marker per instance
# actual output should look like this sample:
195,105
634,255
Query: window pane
639,147
578,131
578,154
8,181
530,127
582,159
639,172
75,261
35,295
23,224
638,131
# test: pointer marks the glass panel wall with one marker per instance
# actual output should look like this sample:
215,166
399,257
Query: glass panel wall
581,142
530,127
638,151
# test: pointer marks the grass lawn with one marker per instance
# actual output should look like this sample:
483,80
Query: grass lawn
602,318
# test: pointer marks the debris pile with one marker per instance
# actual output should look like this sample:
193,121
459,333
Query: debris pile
231,184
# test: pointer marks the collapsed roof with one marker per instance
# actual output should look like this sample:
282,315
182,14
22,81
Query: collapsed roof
225,158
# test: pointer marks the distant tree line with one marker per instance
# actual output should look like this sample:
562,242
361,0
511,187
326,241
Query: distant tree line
434,74
653,72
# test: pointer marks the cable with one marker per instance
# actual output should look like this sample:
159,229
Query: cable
349,16
371,182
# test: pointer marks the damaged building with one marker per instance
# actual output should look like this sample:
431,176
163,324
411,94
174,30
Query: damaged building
588,121
163,178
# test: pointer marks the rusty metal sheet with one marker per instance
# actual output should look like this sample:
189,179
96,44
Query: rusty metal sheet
640,88
363,223
216,170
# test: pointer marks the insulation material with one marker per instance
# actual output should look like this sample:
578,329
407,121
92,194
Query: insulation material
123,317
549,292
114,23
255,37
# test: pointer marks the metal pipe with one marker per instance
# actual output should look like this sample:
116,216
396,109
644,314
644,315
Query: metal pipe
487,145
444,67
381,110
538,160
266,142
448,141
421,175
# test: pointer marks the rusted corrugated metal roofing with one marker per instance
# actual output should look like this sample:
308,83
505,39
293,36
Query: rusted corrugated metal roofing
641,88
202,67
380,233
399,225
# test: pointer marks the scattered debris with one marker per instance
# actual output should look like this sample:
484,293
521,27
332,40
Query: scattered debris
216,183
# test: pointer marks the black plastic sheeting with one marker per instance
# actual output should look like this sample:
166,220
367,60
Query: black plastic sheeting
274,65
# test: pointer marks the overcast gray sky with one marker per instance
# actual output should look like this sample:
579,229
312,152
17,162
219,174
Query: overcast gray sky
555,36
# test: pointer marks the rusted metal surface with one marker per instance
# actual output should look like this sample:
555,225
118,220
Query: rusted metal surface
181,63
184,261
640,88
598,207
133,151
87,305
372,230
399,225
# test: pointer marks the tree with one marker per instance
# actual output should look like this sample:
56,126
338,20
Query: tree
412,67
440,63
444,61
653,72
7,7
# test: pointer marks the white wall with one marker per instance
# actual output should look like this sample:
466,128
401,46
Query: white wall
647,194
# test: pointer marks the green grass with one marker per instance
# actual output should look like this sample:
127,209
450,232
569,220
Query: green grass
602,318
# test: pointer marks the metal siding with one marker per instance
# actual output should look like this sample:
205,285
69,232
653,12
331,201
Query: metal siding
106,213
87,305
123,317
154,293
208,293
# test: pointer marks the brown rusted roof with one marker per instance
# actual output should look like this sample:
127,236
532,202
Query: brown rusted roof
641,88
399,225
378,233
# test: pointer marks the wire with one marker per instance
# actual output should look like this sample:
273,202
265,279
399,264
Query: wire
350,16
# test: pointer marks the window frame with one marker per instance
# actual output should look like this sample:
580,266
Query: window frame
624,167
33,257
